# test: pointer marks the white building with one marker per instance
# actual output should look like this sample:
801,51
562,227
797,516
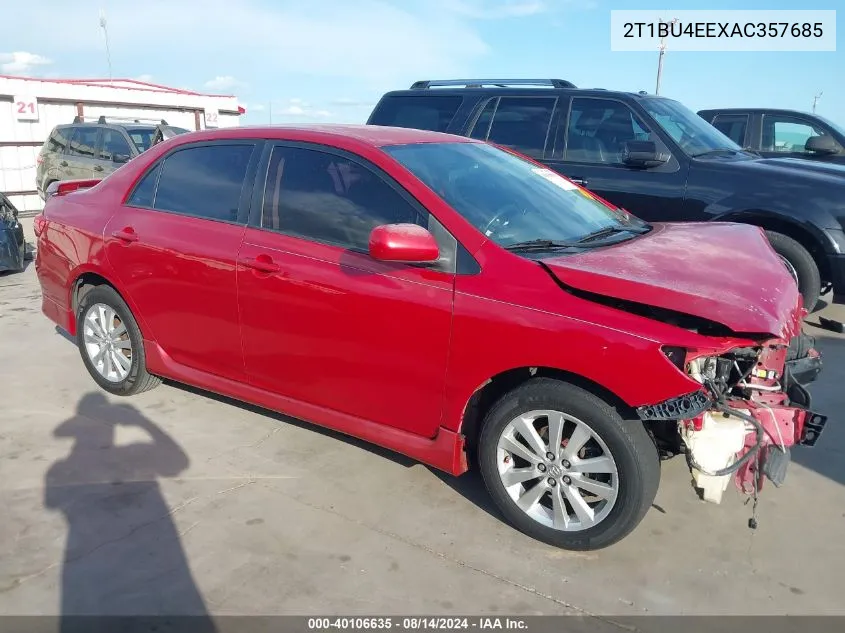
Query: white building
30,108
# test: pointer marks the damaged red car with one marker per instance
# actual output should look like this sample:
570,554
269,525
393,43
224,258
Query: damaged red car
446,299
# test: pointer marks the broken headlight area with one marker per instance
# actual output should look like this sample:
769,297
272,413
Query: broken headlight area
752,407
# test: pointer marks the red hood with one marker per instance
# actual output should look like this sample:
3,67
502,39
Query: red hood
724,272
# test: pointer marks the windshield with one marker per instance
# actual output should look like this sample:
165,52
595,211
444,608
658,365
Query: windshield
142,138
507,198
694,135
834,126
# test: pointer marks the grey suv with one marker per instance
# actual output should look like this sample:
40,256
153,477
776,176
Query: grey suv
92,150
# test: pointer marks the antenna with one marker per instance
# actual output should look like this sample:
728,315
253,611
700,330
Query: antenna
104,26
816,100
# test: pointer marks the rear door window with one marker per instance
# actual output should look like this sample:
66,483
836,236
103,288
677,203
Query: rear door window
434,112
83,143
114,144
522,123
205,181
733,126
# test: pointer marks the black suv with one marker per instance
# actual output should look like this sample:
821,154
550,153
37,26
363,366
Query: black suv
649,155
84,150
781,133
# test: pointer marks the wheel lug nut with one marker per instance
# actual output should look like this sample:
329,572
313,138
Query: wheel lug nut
541,468
566,464
552,482
567,480
550,457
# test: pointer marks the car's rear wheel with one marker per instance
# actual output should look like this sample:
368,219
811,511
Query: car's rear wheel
800,265
111,344
565,468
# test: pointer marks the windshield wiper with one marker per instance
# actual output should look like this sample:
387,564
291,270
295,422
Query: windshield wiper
718,150
540,245
610,230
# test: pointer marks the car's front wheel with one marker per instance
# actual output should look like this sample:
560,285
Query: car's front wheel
111,344
801,265
564,467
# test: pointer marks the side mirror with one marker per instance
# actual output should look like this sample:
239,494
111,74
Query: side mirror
643,154
120,158
407,243
821,145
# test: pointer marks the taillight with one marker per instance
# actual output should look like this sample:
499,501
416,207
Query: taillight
39,223
69,186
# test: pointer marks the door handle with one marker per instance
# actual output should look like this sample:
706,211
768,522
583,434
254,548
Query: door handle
63,163
126,234
581,182
262,263
98,168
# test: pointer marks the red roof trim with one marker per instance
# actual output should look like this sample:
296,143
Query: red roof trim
141,86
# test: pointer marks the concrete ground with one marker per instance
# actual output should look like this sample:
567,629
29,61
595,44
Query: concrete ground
177,501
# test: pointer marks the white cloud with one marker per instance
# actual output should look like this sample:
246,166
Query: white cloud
298,109
373,42
258,107
223,82
145,78
21,62
346,102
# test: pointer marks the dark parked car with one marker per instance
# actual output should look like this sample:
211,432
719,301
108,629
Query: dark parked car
93,149
439,296
781,133
649,155
12,243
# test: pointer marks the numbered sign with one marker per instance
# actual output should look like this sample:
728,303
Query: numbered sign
25,108
211,118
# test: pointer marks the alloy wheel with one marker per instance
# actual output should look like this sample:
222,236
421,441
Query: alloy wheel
557,470
107,342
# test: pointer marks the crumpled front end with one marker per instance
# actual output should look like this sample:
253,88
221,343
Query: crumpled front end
753,406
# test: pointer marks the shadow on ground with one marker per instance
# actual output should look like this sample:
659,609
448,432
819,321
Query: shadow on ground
123,554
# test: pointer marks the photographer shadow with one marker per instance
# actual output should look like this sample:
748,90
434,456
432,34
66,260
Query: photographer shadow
123,555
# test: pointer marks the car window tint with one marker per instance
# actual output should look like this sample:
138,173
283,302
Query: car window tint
598,130
144,193
786,134
143,139
114,144
523,124
733,126
58,140
83,143
423,113
204,181
326,198
482,124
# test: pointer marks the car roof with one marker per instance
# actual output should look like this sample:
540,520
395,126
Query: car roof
514,91
134,126
759,110
373,135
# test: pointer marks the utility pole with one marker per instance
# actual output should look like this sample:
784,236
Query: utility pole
662,48
104,26
816,100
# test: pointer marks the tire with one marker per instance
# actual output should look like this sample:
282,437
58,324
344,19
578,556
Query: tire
809,280
125,378
632,452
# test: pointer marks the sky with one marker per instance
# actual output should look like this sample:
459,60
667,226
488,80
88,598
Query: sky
327,61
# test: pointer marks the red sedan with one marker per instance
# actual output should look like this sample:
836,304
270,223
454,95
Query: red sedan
446,299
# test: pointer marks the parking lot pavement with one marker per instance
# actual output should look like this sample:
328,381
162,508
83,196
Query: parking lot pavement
178,501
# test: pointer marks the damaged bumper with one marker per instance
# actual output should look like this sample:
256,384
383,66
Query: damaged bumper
752,408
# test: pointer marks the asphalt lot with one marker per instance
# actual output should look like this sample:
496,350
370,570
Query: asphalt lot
177,501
